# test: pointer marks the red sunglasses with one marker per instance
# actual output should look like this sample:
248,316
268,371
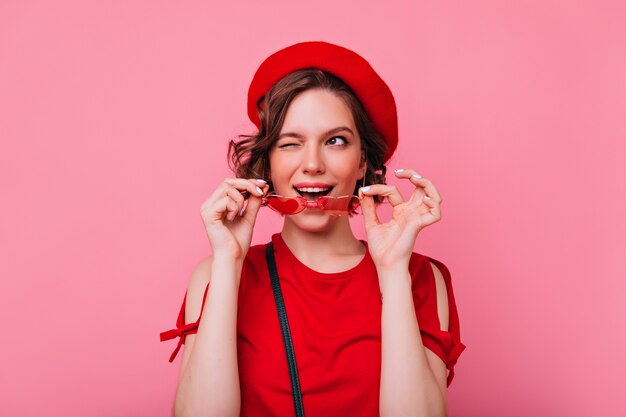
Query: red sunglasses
335,206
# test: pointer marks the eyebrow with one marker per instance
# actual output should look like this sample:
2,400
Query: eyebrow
330,132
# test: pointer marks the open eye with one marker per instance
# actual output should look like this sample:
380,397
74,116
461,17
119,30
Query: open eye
345,142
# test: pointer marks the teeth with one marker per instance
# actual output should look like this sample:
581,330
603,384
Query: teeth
311,189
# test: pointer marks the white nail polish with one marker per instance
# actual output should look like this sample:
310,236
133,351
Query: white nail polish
259,190
263,181
241,212
365,189
399,170
418,176
426,197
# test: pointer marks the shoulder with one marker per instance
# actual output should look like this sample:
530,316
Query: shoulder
201,274
201,277
198,282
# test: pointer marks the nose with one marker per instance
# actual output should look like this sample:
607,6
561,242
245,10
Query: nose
313,160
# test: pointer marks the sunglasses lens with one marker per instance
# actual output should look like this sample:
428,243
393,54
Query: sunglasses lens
286,205
338,206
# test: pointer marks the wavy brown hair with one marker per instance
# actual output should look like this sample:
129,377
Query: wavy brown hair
249,157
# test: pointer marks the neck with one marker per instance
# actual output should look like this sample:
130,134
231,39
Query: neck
315,247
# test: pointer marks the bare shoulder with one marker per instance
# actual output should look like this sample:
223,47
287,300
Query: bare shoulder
442,297
198,281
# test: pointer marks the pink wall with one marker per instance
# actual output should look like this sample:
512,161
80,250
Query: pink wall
114,120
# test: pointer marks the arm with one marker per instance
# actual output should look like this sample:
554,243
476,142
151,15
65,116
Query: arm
413,378
208,383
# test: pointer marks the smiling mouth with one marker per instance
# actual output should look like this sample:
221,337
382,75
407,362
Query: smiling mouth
312,197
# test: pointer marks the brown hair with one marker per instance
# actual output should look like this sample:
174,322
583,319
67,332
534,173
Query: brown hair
249,158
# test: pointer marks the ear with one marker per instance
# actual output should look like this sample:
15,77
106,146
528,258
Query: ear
363,164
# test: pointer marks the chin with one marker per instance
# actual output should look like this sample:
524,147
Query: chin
313,222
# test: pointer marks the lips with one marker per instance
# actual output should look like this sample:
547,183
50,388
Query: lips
312,190
312,184
313,195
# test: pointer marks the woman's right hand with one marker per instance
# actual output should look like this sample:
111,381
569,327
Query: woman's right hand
229,232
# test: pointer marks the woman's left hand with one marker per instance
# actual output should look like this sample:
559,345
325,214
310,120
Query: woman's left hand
391,244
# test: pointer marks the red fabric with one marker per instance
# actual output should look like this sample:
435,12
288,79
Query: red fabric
335,322
345,64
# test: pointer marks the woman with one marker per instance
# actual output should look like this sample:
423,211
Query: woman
327,124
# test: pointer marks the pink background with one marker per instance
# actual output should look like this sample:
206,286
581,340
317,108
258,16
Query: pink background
114,121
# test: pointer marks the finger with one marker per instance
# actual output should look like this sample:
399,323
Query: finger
216,211
390,191
251,209
236,195
425,184
435,208
254,187
249,213
429,213
231,208
246,187
368,208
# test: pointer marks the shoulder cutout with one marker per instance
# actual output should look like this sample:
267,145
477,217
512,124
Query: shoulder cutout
442,298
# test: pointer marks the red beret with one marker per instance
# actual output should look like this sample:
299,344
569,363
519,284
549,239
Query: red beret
345,64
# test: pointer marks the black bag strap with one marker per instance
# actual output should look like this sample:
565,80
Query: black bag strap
284,326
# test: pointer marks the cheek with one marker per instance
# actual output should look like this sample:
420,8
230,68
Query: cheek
280,173
349,168
278,169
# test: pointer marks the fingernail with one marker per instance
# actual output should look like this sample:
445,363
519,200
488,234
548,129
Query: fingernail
241,212
426,197
365,189
259,190
399,170
417,176
263,181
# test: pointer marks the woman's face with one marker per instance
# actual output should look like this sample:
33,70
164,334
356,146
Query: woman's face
319,147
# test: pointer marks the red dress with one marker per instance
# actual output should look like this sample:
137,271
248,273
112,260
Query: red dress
335,323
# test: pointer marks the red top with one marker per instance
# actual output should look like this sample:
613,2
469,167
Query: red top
335,324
